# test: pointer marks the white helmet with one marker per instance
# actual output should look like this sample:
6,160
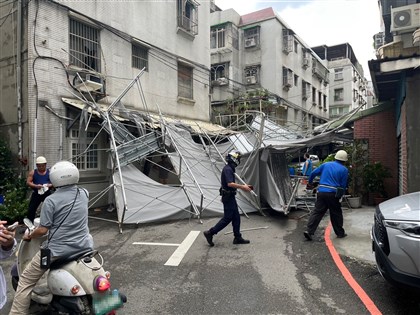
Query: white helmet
41,160
234,156
64,173
341,155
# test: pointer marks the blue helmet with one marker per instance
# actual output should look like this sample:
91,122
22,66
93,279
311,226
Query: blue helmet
234,157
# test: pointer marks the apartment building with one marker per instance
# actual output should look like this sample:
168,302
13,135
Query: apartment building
396,80
69,48
348,86
258,57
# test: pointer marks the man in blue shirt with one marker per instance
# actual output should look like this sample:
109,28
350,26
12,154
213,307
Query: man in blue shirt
39,180
230,207
332,184
307,166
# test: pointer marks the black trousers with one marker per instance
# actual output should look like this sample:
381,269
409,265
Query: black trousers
326,201
34,203
231,214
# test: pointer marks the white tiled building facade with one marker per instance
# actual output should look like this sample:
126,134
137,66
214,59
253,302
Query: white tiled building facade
108,43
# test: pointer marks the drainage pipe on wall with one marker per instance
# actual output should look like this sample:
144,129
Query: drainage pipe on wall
19,77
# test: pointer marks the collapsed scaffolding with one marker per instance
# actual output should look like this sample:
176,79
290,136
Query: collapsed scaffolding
197,164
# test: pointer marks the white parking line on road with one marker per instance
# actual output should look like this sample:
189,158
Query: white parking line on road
161,244
183,248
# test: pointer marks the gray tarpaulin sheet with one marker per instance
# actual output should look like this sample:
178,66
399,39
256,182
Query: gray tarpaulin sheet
148,200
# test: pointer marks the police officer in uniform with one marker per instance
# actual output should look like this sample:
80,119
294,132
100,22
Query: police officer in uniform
230,207
332,185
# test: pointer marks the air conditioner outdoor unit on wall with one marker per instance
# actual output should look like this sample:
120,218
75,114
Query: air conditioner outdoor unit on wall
405,18
251,79
89,83
222,81
250,42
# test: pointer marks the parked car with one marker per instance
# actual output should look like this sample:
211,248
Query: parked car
396,239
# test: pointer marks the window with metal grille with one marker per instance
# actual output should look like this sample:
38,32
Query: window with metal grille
185,81
219,71
84,46
139,57
252,36
338,95
188,16
85,156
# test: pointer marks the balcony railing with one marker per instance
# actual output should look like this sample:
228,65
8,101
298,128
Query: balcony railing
188,24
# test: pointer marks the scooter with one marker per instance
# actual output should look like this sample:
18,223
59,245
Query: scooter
74,284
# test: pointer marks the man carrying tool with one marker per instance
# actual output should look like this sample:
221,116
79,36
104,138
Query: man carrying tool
230,207
332,185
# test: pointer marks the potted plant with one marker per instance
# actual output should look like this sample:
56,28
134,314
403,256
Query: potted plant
374,176
357,159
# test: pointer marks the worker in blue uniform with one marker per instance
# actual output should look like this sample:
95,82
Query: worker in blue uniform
332,185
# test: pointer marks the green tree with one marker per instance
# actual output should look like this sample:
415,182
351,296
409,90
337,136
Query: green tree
12,187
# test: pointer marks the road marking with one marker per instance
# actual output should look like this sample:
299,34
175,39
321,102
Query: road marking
160,244
183,248
347,275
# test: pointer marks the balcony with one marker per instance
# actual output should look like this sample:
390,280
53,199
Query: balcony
188,25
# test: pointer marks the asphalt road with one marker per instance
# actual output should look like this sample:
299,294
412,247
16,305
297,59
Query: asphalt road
278,273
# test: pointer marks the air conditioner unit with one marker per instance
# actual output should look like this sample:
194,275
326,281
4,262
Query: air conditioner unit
89,83
405,18
222,81
250,42
251,79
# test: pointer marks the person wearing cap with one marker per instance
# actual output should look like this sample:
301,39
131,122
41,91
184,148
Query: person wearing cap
332,185
39,180
64,218
230,207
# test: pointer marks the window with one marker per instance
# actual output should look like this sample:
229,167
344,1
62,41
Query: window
85,156
188,16
320,99
313,95
338,111
288,78
219,71
338,74
325,102
296,80
84,46
217,37
251,75
252,37
296,46
139,57
185,81
306,90
338,95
